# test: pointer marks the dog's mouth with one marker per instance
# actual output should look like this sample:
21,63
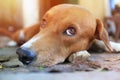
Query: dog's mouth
26,60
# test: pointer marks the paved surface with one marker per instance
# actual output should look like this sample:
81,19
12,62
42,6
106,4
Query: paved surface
62,76
103,66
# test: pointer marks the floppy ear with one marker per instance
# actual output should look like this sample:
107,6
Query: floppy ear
102,34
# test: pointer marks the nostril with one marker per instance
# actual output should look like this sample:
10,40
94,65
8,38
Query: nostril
26,55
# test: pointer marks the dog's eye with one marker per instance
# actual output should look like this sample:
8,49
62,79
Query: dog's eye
70,31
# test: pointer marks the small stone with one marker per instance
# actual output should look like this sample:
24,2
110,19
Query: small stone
1,66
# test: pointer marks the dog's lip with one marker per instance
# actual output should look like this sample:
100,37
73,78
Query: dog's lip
26,61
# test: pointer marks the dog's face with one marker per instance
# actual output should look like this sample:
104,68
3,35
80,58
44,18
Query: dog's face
65,29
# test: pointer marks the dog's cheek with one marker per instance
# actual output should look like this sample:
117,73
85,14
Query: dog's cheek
68,41
82,44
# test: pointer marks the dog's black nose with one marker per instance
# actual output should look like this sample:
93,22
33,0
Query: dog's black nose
26,56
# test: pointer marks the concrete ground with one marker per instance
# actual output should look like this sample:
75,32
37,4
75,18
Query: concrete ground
100,66
62,76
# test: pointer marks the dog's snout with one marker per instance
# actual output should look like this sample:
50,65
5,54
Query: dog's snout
26,56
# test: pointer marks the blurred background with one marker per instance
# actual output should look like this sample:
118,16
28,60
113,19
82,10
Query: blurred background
17,14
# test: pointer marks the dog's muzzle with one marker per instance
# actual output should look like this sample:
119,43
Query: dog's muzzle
26,55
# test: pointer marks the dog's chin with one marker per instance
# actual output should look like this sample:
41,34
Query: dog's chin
46,63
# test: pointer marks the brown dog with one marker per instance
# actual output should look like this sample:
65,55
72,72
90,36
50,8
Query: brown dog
116,19
65,29
23,35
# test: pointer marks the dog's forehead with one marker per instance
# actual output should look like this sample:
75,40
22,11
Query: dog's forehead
65,10
66,14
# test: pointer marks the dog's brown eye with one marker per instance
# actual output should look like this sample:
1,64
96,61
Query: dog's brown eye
70,31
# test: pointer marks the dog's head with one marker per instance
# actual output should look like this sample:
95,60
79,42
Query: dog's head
65,29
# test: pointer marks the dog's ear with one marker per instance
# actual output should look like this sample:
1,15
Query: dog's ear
102,34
